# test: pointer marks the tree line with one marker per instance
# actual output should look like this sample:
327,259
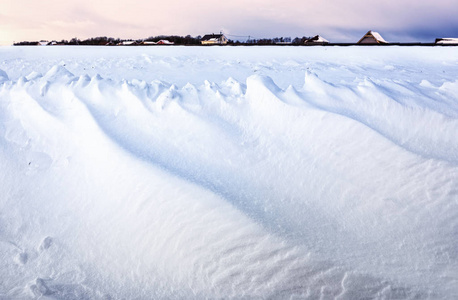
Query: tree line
177,40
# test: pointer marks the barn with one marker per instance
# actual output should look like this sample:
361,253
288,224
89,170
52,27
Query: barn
372,38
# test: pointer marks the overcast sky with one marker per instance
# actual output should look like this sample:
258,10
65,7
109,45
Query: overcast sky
336,20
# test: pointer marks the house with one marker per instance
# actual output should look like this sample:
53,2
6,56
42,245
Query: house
447,41
214,39
316,40
43,43
164,42
372,38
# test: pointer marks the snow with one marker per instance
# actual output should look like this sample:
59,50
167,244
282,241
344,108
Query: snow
228,172
320,39
378,37
165,42
447,41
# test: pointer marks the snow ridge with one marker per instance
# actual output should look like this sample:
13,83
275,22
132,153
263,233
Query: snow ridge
126,188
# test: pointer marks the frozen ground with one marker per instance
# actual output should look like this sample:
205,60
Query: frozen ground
228,172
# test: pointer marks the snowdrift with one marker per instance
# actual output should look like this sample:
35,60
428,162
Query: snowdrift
229,173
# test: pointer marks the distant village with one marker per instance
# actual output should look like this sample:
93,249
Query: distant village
370,38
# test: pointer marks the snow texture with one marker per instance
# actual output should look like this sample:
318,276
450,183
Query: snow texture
228,172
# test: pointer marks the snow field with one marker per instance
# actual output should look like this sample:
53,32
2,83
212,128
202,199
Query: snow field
228,172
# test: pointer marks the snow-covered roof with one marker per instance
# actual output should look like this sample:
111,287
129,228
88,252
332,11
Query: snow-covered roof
377,38
447,41
165,42
318,39
126,43
213,36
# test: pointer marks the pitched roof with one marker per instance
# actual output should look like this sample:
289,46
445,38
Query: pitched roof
378,37
165,42
211,36
318,39
375,35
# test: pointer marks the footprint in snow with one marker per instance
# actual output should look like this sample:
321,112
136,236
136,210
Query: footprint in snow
39,288
46,243
21,258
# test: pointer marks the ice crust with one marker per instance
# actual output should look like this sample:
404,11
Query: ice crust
219,172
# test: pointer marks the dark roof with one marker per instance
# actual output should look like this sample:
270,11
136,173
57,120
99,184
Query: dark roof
211,36
316,40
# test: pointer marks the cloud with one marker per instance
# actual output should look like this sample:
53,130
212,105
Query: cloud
340,20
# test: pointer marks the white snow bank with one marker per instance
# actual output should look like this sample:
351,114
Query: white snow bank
134,183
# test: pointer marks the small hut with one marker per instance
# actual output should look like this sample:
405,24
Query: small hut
372,38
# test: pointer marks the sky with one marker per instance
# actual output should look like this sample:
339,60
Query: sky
336,20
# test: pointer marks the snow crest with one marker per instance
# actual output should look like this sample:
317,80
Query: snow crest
127,188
